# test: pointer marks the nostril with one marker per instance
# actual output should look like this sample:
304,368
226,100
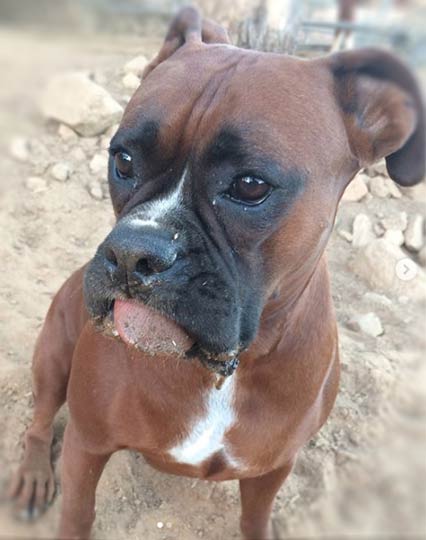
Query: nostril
111,257
154,265
144,267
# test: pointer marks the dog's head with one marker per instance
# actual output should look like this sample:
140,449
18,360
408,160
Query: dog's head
225,175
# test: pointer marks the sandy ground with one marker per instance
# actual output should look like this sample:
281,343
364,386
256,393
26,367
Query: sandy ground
363,475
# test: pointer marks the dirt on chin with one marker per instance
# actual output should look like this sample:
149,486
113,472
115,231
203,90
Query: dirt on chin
363,474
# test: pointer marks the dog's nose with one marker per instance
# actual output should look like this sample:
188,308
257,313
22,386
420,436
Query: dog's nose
139,253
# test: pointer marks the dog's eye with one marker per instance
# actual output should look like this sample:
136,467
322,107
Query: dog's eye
123,165
249,190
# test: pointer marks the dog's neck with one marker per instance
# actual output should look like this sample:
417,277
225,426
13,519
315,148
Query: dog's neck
286,316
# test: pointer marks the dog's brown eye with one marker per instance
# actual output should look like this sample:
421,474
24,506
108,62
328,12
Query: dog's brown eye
249,190
123,165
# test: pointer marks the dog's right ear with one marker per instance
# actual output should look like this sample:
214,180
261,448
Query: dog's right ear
188,26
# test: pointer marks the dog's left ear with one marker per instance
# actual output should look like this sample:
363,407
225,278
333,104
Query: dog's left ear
188,26
383,112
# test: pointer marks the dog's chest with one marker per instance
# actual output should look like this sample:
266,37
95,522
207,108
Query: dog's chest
206,435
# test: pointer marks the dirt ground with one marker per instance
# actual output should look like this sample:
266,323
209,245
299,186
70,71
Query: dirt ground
363,475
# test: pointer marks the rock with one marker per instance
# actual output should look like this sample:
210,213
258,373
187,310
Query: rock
66,133
346,235
369,324
136,65
393,189
99,163
394,237
95,190
395,222
414,237
356,189
61,171
19,148
378,169
377,262
36,184
378,188
131,81
75,100
376,298
362,231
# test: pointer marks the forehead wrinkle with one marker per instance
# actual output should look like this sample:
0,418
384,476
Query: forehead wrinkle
143,134
227,145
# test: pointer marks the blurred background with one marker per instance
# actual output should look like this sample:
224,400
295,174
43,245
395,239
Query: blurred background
364,474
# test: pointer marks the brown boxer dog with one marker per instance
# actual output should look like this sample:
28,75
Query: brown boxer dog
202,333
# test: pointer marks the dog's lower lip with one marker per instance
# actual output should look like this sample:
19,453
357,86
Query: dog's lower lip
145,328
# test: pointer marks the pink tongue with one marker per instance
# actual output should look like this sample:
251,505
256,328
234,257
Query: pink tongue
148,330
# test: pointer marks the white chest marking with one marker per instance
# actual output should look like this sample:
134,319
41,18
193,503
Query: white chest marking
206,436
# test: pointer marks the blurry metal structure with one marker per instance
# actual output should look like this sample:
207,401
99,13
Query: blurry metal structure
298,30
397,37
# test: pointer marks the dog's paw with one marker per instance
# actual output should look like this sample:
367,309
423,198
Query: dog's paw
31,490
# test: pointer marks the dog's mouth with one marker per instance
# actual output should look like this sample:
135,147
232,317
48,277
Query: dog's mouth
155,334
148,330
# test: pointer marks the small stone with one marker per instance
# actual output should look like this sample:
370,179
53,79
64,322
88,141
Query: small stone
362,231
369,324
377,298
392,188
356,190
395,222
378,169
378,188
394,237
131,81
75,100
19,148
414,238
136,66
61,171
66,133
99,163
95,191
160,524
36,184
346,235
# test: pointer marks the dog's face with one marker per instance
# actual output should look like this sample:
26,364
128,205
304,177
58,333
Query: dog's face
225,175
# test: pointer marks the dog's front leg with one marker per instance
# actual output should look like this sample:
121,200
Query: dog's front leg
81,471
257,498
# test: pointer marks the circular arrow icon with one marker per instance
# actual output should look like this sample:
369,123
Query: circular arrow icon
406,269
